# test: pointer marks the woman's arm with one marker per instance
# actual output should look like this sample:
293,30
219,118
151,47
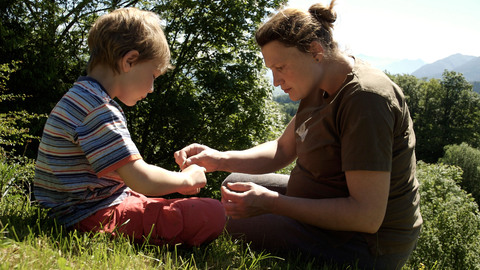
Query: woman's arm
264,158
363,211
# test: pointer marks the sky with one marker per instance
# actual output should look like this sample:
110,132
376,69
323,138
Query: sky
405,29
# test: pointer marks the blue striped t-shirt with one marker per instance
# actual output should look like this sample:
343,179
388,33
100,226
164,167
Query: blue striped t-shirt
84,141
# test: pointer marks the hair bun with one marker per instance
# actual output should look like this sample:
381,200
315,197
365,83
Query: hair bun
323,13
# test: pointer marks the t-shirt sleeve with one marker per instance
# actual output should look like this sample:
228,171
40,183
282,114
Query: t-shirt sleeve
366,124
106,141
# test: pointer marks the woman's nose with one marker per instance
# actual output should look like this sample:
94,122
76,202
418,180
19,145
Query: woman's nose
277,81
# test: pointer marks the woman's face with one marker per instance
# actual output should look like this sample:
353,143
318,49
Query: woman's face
294,71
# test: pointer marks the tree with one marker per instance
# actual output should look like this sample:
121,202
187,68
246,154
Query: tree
411,89
288,107
217,93
444,112
451,221
48,38
14,131
427,123
462,111
16,171
468,159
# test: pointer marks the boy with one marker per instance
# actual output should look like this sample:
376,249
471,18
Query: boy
89,172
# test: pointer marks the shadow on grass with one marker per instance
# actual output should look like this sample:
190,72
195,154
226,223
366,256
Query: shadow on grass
26,224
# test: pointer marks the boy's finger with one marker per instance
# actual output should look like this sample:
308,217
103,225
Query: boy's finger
203,169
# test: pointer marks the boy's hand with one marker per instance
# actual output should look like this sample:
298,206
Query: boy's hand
200,155
196,180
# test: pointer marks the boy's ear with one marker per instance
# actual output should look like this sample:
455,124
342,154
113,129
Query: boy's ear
128,60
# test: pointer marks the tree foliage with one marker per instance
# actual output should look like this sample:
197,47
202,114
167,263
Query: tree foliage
444,112
288,107
47,39
14,125
451,230
468,159
217,93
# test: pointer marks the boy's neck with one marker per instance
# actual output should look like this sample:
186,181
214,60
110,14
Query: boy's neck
106,77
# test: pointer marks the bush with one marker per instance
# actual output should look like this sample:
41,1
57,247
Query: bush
15,132
467,158
451,229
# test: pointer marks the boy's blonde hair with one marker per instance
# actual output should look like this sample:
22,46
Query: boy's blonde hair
115,34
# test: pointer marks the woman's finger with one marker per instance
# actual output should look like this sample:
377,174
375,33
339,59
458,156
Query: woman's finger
239,186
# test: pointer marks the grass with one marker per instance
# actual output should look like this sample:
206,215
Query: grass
31,240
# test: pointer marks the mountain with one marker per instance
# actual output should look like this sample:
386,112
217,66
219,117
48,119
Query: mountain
405,66
470,70
392,65
468,65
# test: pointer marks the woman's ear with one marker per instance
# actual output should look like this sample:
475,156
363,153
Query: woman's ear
128,60
316,49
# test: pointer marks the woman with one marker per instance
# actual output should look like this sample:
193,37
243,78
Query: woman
352,196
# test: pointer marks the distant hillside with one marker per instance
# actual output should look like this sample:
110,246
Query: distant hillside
405,66
476,86
393,66
470,70
468,65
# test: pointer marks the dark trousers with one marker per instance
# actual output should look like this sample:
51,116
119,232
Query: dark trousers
281,235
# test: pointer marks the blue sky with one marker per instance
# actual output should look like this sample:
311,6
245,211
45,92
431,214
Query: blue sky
405,29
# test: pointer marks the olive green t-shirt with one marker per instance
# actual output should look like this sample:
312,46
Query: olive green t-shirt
366,125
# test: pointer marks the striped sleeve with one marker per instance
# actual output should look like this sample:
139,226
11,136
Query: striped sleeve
105,140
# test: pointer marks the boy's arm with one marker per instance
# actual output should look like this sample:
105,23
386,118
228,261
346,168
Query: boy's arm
151,180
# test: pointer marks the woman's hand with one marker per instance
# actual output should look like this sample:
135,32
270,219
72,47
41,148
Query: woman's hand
243,200
200,155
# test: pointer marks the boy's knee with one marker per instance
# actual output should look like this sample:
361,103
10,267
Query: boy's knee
204,220
215,213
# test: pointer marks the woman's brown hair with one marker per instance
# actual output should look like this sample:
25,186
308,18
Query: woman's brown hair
297,28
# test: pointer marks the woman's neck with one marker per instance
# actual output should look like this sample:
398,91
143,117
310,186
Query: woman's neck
337,68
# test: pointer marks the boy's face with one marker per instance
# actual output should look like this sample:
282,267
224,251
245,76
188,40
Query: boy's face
137,82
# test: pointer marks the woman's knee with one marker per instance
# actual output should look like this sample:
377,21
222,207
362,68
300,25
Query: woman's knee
272,181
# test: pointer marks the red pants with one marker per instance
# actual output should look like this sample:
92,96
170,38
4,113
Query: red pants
191,221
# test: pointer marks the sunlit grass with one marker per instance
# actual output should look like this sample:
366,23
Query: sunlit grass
30,240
